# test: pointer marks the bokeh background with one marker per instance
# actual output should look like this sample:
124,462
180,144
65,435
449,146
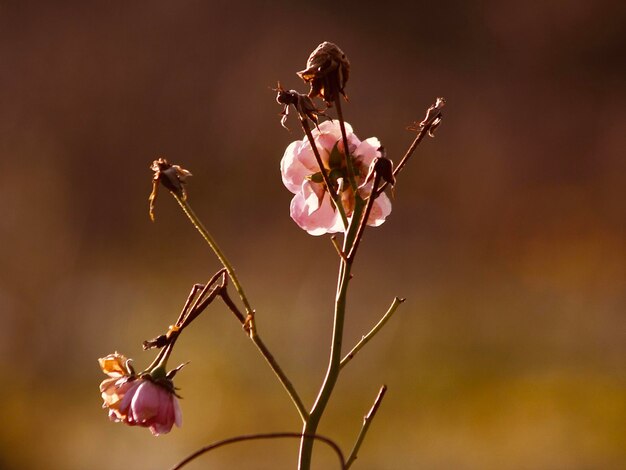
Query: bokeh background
507,234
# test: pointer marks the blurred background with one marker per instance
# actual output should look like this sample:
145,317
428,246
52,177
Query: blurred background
507,234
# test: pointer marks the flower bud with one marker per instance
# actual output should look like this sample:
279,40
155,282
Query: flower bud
384,167
327,71
302,104
171,176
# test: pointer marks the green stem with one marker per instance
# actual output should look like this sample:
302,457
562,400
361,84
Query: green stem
249,323
367,420
346,149
216,249
365,339
286,383
334,197
332,373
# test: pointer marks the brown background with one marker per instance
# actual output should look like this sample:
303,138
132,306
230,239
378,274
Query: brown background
507,234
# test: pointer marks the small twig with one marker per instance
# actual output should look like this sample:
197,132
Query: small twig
365,217
367,421
342,255
365,339
191,299
426,127
231,306
251,437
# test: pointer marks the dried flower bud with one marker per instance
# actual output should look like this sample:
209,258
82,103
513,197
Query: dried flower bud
302,104
381,166
327,71
171,176
433,118
116,365
384,167
158,342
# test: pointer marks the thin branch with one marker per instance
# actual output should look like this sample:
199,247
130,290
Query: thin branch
341,254
367,420
248,320
426,127
364,218
214,246
365,339
204,298
332,372
346,149
269,357
331,190
251,437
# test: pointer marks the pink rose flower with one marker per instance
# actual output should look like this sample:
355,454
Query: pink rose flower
138,400
311,207
151,405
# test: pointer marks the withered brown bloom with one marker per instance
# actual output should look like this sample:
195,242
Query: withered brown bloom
327,71
382,166
432,120
302,103
171,176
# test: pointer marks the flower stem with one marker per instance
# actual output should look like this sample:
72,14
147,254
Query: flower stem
332,373
216,249
331,189
344,136
258,342
249,322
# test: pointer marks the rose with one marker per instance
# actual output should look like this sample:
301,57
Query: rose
311,207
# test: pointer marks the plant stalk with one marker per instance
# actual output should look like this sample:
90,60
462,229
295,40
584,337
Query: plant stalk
334,364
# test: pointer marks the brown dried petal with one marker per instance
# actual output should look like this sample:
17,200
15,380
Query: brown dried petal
384,167
302,103
115,365
327,71
171,176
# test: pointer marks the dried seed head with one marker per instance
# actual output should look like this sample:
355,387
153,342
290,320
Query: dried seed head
384,167
302,103
327,71
171,176
432,120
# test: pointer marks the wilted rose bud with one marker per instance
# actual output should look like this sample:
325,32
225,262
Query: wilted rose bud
381,166
139,400
327,71
302,103
384,167
432,120
171,176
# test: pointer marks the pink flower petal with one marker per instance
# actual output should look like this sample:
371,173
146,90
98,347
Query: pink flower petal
146,401
319,222
366,152
380,210
292,169
178,414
